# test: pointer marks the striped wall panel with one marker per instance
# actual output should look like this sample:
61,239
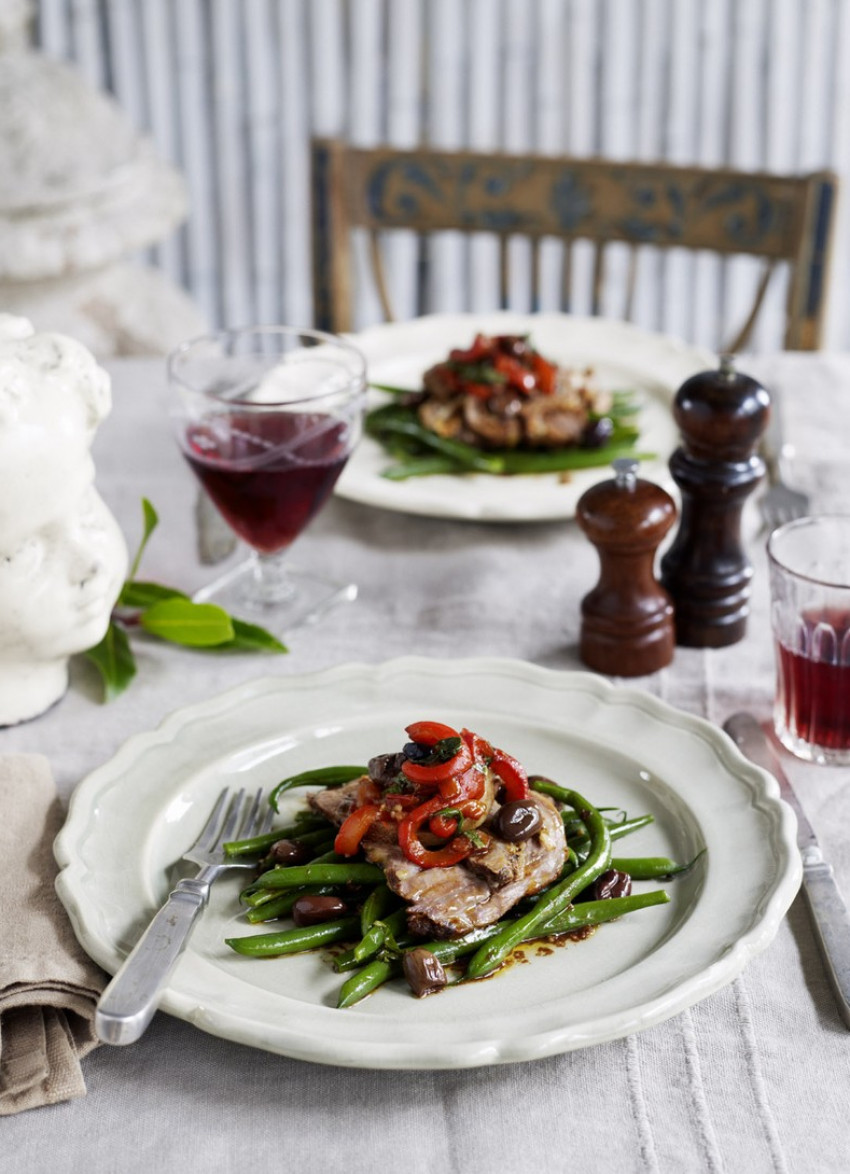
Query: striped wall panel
232,90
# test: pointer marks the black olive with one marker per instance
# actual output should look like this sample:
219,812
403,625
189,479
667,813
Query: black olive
416,752
513,344
612,883
287,852
313,909
597,433
423,971
518,821
384,768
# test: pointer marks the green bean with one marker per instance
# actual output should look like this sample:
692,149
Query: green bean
403,422
597,912
378,933
575,917
326,776
412,466
256,895
582,843
631,825
454,459
295,941
617,828
422,452
493,953
652,867
367,979
258,892
279,904
318,837
345,960
564,459
553,790
394,390
570,919
379,902
259,844
318,873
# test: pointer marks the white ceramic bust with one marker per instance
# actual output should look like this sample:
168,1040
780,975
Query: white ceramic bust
62,555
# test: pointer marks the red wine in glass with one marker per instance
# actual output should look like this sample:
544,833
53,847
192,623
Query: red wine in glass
813,686
269,473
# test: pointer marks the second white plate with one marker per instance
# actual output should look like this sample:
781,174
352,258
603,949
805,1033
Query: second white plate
623,357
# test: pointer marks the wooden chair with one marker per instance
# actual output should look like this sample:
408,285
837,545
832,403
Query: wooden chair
784,220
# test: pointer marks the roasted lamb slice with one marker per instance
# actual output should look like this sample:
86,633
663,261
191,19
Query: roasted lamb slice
449,902
336,803
553,421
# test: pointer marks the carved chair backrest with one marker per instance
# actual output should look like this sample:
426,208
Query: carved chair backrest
780,219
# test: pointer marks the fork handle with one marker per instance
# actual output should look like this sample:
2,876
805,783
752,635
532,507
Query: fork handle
773,442
128,1004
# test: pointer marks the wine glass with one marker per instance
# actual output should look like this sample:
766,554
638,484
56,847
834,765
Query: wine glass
267,417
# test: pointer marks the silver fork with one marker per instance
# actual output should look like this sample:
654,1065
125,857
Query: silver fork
128,1004
780,503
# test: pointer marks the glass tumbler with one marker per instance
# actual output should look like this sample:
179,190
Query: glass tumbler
810,616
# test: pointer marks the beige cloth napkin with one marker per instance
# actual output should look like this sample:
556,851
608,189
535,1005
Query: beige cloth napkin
48,986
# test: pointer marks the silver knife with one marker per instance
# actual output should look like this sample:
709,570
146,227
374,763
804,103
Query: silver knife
829,913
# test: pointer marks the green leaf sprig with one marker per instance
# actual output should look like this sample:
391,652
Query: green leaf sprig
168,614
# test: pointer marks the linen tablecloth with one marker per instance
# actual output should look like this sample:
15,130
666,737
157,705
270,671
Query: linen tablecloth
754,1078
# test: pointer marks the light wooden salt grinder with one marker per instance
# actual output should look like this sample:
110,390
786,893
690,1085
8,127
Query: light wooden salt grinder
627,619
721,416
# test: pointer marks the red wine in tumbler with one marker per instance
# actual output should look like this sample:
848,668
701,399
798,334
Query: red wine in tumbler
814,694
268,473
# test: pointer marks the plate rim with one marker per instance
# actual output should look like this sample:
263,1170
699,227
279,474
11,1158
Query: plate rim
762,789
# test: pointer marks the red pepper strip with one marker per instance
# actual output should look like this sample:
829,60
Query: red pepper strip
474,811
429,733
470,783
517,375
354,828
479,747
443,825
440,771
415,850
545,372
481,348
511,774
447,822
462,787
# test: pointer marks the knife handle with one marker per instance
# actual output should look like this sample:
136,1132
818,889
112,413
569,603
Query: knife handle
832,929
128,1004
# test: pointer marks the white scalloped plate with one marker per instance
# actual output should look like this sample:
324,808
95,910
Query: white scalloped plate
624,358
134,816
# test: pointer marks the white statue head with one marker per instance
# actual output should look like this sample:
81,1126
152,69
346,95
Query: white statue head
53,395
62,555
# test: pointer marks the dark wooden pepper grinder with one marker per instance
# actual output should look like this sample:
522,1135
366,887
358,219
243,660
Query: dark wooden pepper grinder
627,619
721,416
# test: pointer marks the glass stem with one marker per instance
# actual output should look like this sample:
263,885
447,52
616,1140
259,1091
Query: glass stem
271,578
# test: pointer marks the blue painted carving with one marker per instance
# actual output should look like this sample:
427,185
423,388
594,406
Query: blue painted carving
571,200
479,196
817,273
416,182
323,311
752,214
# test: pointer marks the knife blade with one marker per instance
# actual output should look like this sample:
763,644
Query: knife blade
829,913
